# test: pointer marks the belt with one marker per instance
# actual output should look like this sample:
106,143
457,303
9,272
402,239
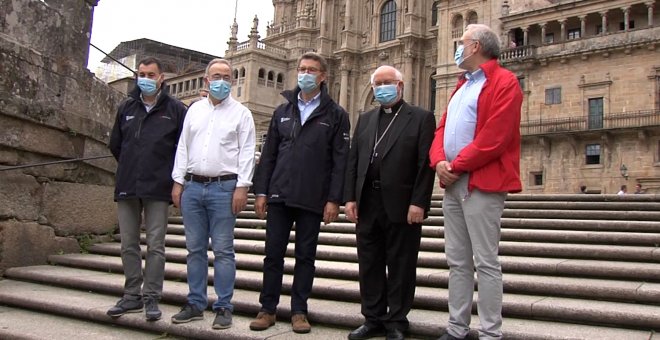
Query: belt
375,184
204,179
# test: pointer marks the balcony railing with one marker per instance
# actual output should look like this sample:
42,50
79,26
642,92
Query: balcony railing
518,53
577,124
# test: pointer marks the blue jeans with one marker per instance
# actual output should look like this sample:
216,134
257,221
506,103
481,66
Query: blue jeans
206,209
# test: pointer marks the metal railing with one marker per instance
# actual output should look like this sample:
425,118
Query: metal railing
584,123
16,167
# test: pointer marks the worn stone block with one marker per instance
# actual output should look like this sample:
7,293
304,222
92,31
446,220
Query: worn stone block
75,209
28,243
20,196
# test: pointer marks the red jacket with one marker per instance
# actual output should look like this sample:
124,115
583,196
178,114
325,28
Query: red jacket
493,157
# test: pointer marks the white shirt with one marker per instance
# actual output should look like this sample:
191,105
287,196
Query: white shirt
216,140
462,114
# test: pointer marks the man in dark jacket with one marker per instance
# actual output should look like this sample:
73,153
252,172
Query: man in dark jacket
143,141
301,175
388,195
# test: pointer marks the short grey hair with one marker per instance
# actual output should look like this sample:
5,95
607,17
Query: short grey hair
219,61
397,73
489,41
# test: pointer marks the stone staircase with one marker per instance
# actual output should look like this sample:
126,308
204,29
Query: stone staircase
575,267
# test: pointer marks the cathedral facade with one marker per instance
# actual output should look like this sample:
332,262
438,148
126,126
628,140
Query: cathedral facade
589,70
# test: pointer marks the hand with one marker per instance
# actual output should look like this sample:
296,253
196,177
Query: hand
239,200
445,174
177,190
351,211
415,214
260,206
330,212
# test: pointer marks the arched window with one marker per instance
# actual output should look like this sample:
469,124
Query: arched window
242,72
472,18
262,73
280,78
388,21
434,13
457,27
235,74
271,76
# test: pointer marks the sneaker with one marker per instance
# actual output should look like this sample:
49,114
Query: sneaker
188,313
299,323
222,319
152,312
124,306
262,322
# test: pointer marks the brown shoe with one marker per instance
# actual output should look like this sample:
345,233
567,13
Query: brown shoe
300,324
262,322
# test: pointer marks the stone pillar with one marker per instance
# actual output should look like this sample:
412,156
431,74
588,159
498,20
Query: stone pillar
525,35
543,25
603,22
649,9
324,18
348,21
583,25
626,18
408,57
343,87
562,34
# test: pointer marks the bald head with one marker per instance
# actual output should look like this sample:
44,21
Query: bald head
388,72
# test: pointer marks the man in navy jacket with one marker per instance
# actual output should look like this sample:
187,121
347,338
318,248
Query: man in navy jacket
300,176
143,141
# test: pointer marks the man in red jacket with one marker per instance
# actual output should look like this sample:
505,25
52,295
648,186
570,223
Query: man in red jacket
476,155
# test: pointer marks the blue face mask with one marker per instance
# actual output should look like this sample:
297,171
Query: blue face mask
307,82
219,89
458,56
148,86
386,94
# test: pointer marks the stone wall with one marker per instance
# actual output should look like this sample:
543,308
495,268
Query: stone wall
51,108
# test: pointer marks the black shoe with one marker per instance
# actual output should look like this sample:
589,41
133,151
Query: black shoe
448,336
366,332
124,306
222,319
188,313
395,334
152,312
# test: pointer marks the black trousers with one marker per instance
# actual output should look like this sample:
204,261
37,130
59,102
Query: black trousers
278,227
387,256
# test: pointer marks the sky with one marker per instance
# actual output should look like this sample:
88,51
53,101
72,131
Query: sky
200,25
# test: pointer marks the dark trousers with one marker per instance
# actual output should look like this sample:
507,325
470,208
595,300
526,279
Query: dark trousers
387,256
278,227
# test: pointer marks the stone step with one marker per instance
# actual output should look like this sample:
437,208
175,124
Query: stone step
433,248
596,289
16,323
623,270
70,303
336,313
430,234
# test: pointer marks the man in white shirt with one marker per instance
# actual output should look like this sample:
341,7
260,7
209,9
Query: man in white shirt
212,173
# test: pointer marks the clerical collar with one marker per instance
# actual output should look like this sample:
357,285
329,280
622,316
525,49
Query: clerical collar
394,107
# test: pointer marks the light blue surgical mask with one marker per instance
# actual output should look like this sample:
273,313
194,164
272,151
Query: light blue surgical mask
458,56
386,94
219,89
148,86
307,82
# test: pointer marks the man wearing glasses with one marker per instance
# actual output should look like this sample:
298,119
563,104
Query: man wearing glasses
299,180
212,173
476,155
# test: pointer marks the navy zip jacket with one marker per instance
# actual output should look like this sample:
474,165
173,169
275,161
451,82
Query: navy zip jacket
303,166
144,145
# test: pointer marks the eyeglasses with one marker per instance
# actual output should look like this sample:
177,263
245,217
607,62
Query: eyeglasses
308,70
219,77
385,82
461,42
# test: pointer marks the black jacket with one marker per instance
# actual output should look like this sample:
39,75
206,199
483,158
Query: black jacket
144,145
405,175
303,166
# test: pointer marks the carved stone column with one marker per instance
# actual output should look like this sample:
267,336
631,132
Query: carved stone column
626,18
543,32
562,34
603,22
343,86
649,8
408,57
525,35
583,25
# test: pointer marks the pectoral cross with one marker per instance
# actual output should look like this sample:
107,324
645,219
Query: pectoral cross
374,155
